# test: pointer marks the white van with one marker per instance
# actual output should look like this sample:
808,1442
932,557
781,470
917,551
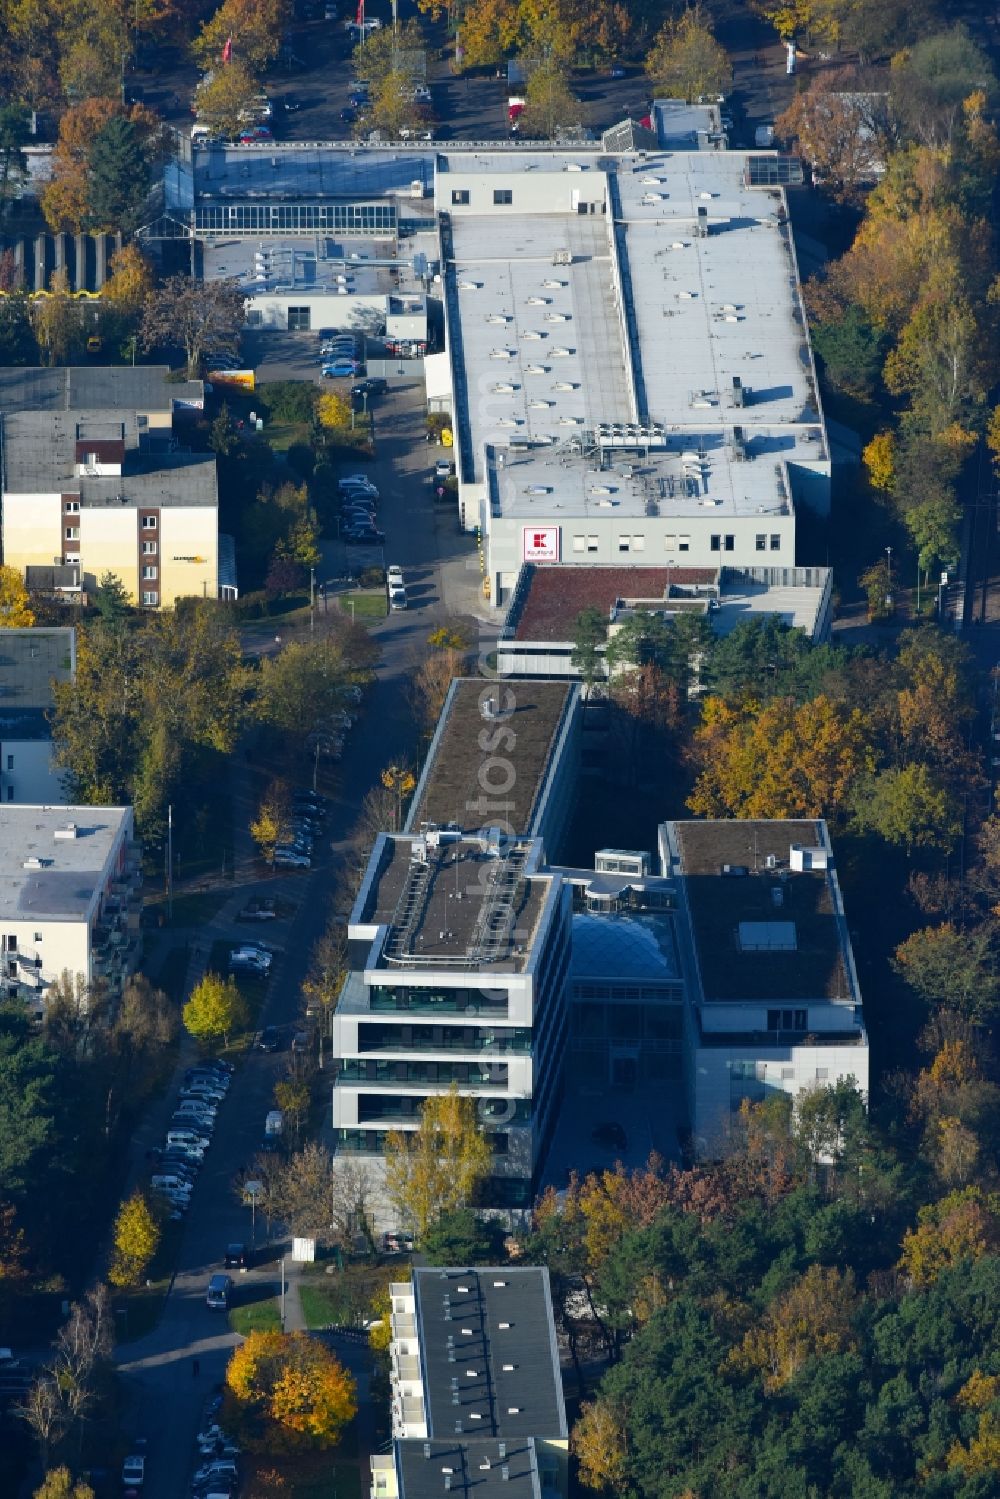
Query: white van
200,133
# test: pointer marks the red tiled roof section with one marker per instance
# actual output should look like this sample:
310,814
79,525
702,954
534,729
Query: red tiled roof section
558,595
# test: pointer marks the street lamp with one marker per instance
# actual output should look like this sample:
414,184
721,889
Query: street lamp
888,577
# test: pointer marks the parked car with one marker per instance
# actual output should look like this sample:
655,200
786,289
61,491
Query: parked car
192,1154
205,1069
134,1471
397,598
183,1134
203,1087
269,1038
443,468
219,1294
361,480
394,575
237,1257
289,859
258,910
340,369
201,1108
168,1181
374,385
364,537
252,959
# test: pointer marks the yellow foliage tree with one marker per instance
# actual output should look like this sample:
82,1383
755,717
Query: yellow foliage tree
779,760
982,1455
436,1168
255,27
223,102
215,1008
130,282
332,410
58,1484
599,1444
298,1393
880,460
136,1237
15,606
962,1226
814,1317
686,61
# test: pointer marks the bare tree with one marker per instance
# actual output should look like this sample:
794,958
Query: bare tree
198,315
44,1412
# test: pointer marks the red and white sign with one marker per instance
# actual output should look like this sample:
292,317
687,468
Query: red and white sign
541,543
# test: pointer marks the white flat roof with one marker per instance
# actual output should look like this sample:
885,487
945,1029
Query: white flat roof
64,871
528,375
547,358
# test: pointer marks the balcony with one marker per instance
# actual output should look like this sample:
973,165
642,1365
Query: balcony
394,1040
441,1002
393,1075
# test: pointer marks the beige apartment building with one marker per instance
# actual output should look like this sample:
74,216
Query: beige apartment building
92,489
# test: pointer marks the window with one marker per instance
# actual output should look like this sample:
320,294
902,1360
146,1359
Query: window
149,572
775,542
149,549
150,598
761,541
684,543
502,195
730,543
624,542
715,543
39,936
149,522
822,1073
591,543
72,507
10,762
638,543
460,196
10,944
72,533
786,1020
298,319
255,318
670,543
579,543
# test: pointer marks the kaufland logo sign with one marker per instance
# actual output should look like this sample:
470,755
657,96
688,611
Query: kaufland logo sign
541,543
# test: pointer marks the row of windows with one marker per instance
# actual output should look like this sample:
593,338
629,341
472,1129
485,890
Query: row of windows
9,943
757,1072
254,218
723,542
503,197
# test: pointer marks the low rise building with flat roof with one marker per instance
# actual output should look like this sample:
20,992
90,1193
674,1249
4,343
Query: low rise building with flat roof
773,1001
69,898
476,1387
630,363
539,631
90,489
31,663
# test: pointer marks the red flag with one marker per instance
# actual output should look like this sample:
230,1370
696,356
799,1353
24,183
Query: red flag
227,51
361,13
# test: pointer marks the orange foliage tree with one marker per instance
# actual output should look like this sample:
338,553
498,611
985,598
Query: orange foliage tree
289,1392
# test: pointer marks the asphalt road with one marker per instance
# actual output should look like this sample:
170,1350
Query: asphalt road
163,1398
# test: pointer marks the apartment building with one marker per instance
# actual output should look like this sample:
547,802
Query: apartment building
460,940
31,663
90,489
69,898
476,1388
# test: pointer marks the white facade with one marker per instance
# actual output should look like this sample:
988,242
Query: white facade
27,773
69,882
32,662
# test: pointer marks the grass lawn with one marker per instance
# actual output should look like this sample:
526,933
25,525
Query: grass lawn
138,1311
340,1481
284,435
342,1298
256,1316
368,604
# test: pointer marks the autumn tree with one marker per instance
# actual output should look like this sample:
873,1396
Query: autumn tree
198,315
390,53
130,282
293,1097
332,410
685,61
215,1009
551,108
963,1226
136,1238
223,102
843,130
274,819
780,760
814,1317
124,142
599,1444
930,81
59,1483
15,606
438,1166
255,28
290,1392
393,107
305,685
